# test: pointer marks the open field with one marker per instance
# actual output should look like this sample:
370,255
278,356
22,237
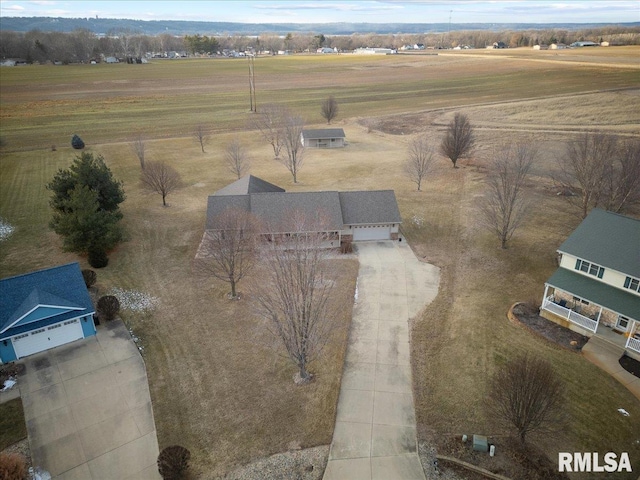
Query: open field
215,387
44,105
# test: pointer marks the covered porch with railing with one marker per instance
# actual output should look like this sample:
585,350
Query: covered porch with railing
591,318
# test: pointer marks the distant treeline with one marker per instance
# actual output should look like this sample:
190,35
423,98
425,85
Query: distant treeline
82,46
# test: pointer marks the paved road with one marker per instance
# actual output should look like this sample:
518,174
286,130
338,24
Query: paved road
88,409
375,432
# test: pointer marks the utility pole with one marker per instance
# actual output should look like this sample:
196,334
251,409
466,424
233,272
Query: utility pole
252,86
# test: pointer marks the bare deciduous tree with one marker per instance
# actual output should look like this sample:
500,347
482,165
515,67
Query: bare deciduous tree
458,141
293,298
270,122
527,395
160,178
139,147
292,132
329,109
505,206
229,252
202,135
623,182
602,170
236,158
420,160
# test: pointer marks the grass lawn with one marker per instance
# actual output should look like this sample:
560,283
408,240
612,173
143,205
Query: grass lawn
217,385
12,426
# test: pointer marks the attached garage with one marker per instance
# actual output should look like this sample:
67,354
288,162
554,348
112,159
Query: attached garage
47,337
371,232
42,310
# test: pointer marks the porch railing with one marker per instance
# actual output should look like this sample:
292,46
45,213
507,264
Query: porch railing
633,344
574,317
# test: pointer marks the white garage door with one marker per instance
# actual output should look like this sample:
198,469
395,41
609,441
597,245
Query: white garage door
377,232
47,337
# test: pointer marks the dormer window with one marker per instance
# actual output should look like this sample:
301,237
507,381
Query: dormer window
590,268
632,284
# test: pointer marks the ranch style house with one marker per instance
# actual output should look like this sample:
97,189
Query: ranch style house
42,310
346,216
323,138
596,289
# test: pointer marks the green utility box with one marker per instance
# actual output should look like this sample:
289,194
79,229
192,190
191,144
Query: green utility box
480,443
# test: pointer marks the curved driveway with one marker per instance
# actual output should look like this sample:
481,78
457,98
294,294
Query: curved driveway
375,431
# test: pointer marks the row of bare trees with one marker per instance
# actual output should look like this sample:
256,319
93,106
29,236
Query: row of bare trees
601,170
596,170
82,45
292,295
282,129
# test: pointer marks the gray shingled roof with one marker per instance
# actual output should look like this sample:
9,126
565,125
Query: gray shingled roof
612,298
369,207
280,210
323,133
216,204
59,286
249,184
607,239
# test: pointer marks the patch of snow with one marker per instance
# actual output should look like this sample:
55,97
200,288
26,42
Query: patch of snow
134,300
623,412
417,221
355,295
5,229
8,384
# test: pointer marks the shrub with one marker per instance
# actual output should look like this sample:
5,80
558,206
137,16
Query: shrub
173,462
346,247
108,306
98,258
77,143
89,277
13,466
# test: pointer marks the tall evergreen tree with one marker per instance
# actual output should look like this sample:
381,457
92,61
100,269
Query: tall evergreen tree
85,204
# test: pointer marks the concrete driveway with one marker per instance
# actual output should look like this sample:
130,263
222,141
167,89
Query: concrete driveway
88,409
375,432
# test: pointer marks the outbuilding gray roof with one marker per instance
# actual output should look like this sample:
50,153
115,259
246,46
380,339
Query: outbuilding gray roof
607,239
323,133
369,207
249,184
283,211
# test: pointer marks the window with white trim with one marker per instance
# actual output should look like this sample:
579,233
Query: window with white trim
590,268
632,284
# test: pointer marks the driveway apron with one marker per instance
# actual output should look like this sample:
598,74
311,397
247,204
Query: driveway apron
88,409
375,431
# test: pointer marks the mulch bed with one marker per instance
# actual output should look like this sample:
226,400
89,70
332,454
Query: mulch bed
551,331
631,365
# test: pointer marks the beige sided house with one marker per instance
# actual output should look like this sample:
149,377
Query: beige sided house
346,216
596,289
323,138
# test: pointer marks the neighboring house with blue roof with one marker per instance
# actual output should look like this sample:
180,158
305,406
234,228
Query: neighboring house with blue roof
596,289
42,310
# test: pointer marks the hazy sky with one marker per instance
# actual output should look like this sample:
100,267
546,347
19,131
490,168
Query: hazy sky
322,11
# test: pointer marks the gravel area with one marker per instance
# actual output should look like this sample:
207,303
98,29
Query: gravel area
307,464
21,447
427,454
